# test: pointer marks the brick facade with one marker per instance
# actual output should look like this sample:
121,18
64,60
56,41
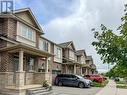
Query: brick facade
4,61
3,26
12,25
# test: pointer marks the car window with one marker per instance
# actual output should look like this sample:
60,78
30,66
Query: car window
67,76
73,76
60,75
80,77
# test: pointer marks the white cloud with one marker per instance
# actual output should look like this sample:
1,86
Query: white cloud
77,26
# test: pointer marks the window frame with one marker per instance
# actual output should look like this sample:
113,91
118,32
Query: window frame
25,31
31,65
58,53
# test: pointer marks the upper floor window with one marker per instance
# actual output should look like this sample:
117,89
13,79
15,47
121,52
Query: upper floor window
26,32
58,53
43,45
30,34
71,54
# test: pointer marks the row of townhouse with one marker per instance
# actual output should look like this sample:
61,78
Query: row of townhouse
27,59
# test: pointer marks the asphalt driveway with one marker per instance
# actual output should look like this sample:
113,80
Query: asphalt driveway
75,91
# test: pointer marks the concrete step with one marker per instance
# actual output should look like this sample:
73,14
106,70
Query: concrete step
45,93
39,91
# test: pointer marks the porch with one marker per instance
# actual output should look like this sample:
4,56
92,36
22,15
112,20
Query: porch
24,67
88,69
72,67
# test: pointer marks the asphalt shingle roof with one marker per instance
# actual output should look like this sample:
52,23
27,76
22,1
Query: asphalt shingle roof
89,58
80,52
64,45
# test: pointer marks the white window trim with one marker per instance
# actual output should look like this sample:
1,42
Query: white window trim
57,55
20,25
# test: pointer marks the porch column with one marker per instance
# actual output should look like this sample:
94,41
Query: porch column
46,65
81,70
20,72
74,68
20,68
66,71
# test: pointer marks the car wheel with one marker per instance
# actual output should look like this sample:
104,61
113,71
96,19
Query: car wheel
60,84
88,86
81,85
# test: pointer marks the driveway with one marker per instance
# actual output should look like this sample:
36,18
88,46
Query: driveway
74,91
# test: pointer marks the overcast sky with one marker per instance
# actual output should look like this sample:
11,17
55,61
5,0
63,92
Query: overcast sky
72,20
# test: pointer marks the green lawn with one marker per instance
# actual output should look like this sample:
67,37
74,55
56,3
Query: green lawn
121,84
95,84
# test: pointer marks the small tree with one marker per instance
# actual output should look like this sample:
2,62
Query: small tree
113,47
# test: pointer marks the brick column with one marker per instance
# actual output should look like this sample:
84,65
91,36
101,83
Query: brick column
20,72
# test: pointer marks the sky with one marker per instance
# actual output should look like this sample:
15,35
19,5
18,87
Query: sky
72,20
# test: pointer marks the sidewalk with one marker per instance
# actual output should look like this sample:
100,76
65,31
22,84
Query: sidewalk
110,89
121,92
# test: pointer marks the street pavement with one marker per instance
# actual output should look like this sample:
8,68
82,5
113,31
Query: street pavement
74,91
109,89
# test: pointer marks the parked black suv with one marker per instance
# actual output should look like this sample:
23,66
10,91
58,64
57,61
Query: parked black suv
72,80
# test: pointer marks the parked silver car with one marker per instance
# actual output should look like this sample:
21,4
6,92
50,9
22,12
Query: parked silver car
72,80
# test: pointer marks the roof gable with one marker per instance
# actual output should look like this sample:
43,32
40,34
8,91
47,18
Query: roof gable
81,52
89,58
68,45
27,15
71,46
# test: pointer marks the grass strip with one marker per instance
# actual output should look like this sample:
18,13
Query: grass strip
95,84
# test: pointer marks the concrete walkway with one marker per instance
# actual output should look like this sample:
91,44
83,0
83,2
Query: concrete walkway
111,89
121,92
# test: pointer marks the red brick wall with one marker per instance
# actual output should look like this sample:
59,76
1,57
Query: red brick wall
3,26
3,43
37,39
12,28
56,66
7,28
3,31
4,61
